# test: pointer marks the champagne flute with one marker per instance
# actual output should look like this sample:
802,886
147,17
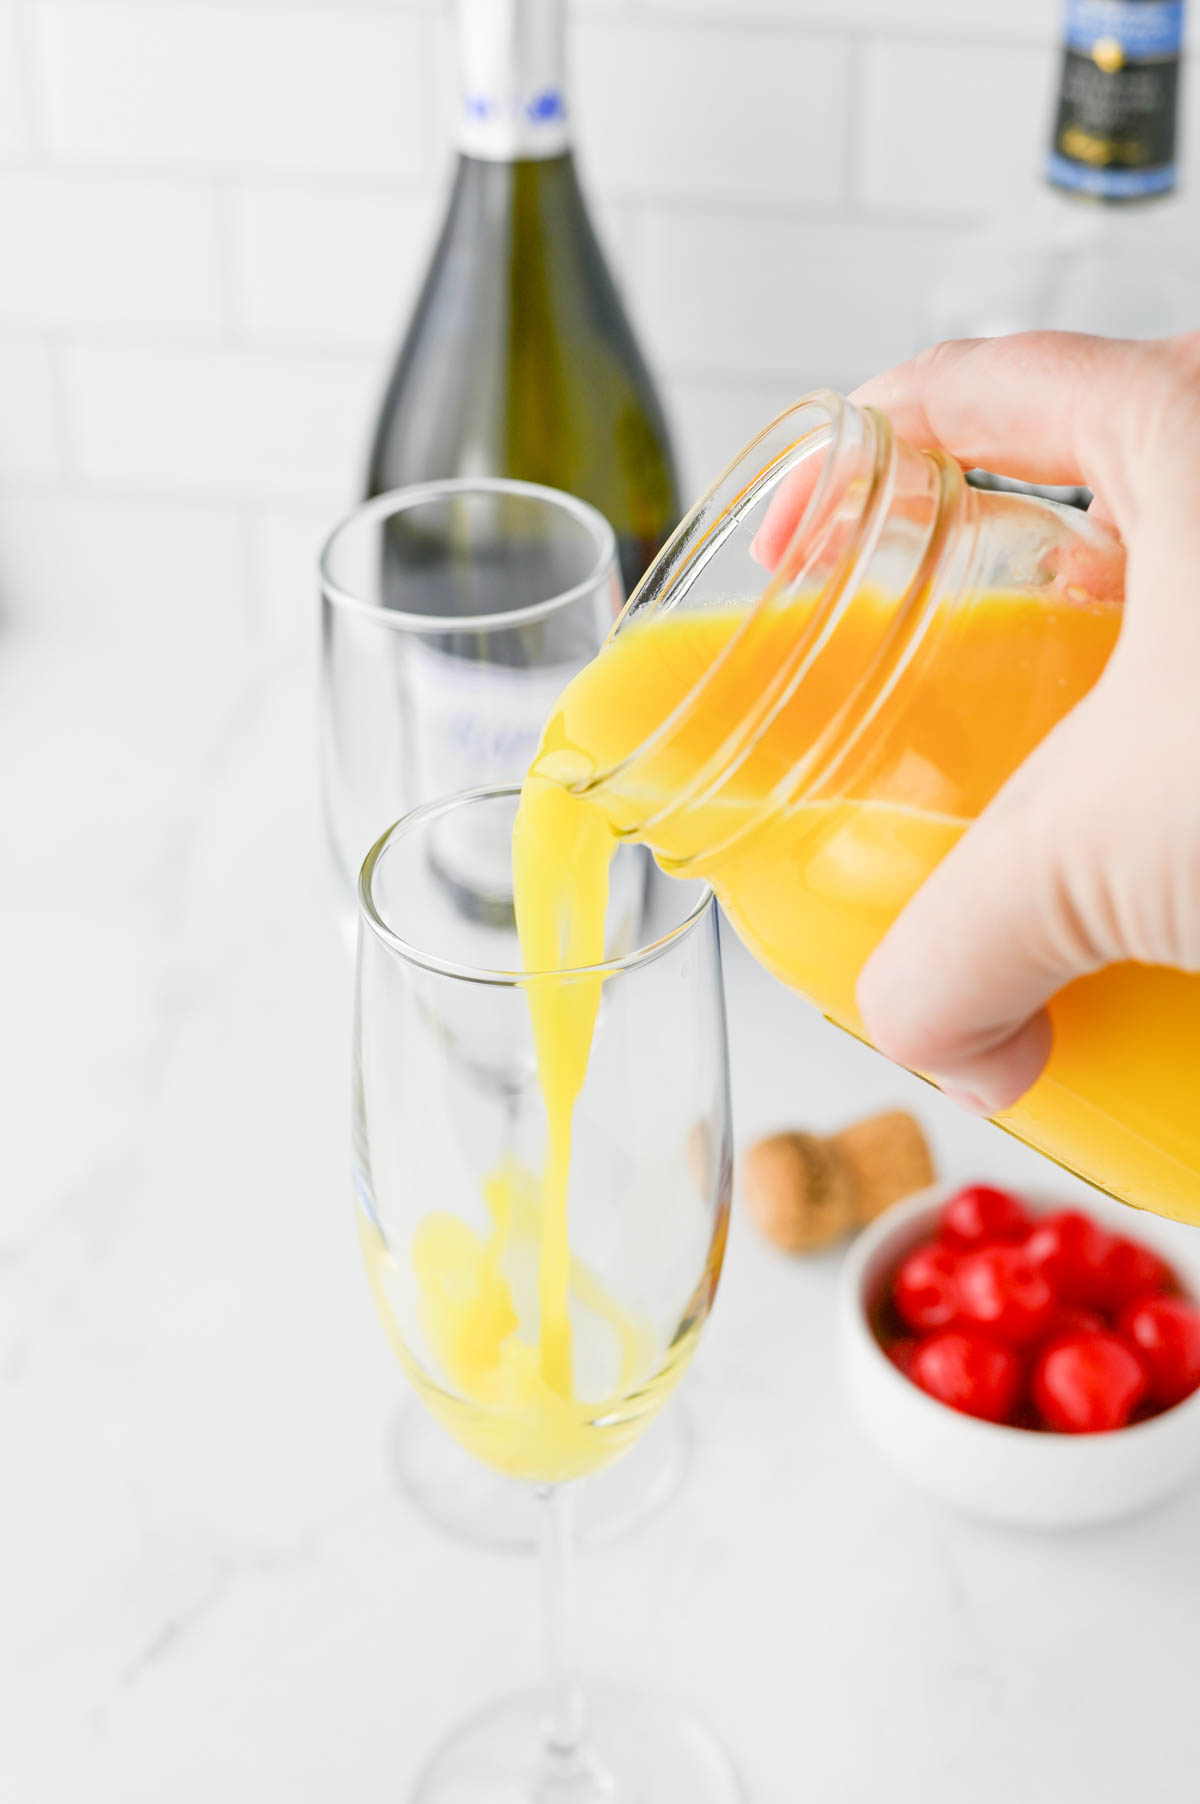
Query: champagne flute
453,614
456,1240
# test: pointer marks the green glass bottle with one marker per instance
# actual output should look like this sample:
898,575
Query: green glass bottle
519,359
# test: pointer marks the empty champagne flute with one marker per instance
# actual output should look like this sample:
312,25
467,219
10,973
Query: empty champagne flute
453,613
545,1345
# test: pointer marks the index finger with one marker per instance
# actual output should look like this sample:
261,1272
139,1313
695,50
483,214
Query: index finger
1044,407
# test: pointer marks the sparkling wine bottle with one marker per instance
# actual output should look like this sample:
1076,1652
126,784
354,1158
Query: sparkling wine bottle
1108,245
519,359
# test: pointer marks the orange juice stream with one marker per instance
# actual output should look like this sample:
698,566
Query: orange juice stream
499,1311
812,873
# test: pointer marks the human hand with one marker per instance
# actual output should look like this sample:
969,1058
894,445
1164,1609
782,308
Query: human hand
1090,854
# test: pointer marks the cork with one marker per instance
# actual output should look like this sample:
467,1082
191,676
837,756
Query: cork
807,1191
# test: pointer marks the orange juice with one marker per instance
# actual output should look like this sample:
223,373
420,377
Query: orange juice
536,1357
741,742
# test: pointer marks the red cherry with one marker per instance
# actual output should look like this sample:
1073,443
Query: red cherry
1088,1384
970,1373
901,1354
1166,1333
1000,1292
924,1291
1071,1250
1132,1270
1071,1319
980,1215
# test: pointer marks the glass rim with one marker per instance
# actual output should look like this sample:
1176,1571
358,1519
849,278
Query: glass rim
417,494
838,411
419,817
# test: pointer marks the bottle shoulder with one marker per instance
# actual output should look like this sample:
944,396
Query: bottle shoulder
511,228
1067,264
520,358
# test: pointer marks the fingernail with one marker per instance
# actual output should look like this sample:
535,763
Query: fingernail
756,550
966,1099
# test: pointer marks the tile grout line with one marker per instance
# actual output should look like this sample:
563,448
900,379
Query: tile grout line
857,123
81,487
254,622
225,197
30,88
61,410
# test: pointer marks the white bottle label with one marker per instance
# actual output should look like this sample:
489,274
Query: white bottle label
474,723
514,102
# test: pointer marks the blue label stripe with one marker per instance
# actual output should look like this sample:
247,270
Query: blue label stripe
545,108
1143,28
1109,184
549,104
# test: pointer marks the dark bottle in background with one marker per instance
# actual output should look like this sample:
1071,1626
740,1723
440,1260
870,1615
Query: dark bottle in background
519,359
1107,245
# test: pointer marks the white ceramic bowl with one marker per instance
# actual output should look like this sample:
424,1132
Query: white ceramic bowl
1008,1475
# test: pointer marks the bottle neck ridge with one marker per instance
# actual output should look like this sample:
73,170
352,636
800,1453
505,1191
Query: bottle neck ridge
512,79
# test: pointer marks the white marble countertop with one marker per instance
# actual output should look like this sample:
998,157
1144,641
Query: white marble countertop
209,1588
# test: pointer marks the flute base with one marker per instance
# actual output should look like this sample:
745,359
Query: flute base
641,1749
469,1501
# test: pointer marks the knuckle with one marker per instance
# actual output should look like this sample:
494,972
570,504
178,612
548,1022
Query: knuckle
907,1024
1182,357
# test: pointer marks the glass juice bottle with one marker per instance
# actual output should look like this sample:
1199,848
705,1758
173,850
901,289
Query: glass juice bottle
816,748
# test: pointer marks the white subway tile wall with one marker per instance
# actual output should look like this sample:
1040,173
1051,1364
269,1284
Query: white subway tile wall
214,215
30,432
284,543
133,254
100,565
335,265
958,18
13,118
942,126
748,294
226,421
214,86
717,113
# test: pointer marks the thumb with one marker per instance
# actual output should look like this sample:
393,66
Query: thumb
957,987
